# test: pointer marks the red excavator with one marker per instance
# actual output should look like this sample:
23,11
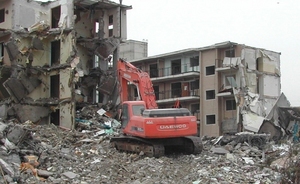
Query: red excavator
146,128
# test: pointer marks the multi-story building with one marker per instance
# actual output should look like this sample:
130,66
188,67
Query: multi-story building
225,85
53,54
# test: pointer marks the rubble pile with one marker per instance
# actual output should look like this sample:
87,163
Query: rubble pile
32,153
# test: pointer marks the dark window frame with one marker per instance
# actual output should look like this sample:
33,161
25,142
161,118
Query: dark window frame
210,119
210,94
153,68
229,53
210,70
1,49
2,15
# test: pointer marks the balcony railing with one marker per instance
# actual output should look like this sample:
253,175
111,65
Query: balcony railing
163,72
175,93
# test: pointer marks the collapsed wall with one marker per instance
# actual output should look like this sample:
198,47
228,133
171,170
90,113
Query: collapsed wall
54,55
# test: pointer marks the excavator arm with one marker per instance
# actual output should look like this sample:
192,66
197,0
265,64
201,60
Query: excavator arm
129,73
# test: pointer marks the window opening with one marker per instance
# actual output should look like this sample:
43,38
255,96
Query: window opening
55,13
55,52
176,89
210,70
153,70
230,53
210,119
2,15
54,86
110,25
210,94
1,50
176,66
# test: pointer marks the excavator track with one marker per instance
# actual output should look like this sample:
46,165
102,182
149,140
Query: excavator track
195,145
138,145
156,147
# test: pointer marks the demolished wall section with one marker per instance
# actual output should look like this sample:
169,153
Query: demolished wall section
52,61
262,87
27,13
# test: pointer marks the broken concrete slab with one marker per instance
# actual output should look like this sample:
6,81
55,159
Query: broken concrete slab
252,122
70,175
6,168
16,89
219,150
44,173
30,112
17,134
12,50
29,82
37,43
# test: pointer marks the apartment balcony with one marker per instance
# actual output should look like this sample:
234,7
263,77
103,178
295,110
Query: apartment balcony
174,73
225,93
171,96
227,64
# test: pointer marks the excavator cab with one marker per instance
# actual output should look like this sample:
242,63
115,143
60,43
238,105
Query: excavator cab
124,115
128,110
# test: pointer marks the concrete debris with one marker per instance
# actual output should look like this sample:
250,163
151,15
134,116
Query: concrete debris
220,151
55,155
7,168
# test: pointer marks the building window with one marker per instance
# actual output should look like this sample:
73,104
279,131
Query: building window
55,16
230,105
55,53
153,70
1,50
210,119
194,61
2,15
210,94
230,53
110,19
176,66
176,90
110,25
210,70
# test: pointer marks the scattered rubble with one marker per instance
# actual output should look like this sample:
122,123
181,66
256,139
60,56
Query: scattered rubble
33,153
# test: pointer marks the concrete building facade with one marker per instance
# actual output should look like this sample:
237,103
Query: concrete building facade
226,85
54,55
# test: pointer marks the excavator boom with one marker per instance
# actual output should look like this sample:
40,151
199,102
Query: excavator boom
129,73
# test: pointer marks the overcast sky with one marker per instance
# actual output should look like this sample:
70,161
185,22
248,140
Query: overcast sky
171,25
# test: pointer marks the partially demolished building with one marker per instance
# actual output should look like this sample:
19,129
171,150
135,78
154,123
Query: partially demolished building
58,55
54,55
229,87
